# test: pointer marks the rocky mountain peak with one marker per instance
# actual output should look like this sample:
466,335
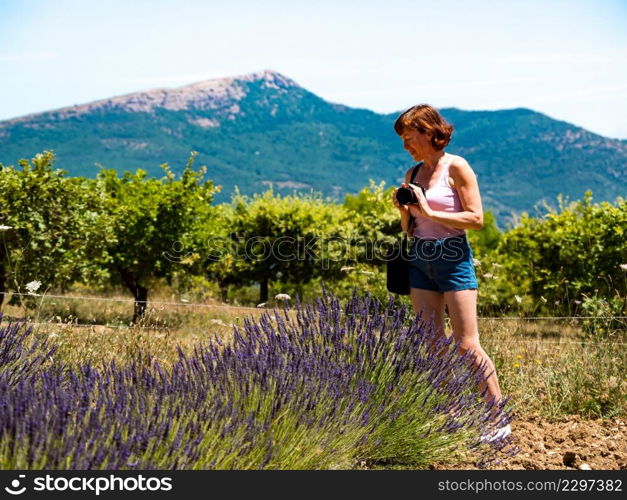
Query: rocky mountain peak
214,94
268,78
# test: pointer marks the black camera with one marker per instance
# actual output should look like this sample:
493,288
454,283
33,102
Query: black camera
406,196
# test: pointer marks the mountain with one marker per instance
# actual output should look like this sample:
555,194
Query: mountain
264,128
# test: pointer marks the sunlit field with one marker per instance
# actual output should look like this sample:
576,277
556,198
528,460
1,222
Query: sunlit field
548,366
177,361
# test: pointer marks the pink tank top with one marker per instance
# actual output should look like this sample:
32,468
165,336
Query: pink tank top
443,198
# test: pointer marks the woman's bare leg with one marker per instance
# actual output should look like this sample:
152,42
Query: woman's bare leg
431,304
462,309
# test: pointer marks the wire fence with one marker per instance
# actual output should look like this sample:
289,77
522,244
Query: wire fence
73,324
89,325
164,328
116,299
263,307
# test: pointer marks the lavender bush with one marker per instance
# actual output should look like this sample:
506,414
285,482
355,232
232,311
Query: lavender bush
22,353
323,386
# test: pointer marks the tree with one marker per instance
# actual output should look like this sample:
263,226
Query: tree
154,219
268,237
53,228
571,253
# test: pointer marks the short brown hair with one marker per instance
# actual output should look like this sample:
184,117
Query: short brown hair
425,118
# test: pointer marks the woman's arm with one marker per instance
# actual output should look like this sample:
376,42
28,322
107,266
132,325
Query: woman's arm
465,182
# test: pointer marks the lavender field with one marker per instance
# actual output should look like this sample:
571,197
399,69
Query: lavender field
327,385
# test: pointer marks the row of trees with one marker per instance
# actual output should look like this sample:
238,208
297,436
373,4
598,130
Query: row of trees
59,230
134,230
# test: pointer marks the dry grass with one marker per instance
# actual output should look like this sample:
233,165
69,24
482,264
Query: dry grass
551,368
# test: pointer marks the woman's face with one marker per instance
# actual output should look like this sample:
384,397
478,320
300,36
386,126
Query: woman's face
417,144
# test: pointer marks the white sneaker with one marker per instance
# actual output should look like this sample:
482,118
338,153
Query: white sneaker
497,435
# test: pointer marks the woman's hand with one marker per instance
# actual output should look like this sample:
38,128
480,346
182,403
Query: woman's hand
422,205
395,201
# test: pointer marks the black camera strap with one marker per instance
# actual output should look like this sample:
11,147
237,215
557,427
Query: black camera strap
413,176
415,170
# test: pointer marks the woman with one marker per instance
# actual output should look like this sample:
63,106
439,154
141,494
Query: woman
441,270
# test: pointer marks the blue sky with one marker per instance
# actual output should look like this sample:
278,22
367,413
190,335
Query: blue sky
567,59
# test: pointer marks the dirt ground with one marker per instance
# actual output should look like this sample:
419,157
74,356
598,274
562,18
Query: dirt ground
565,443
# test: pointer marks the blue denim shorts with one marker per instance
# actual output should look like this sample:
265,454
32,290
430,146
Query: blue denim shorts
442,265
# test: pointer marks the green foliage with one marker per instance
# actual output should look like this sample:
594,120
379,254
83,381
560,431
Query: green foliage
150,215
136,230
487,238
605,315
569,254
493,291
269,237
377,222
55,227
154,220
